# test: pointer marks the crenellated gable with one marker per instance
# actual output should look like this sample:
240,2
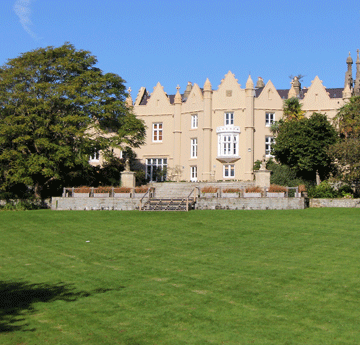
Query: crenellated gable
158,97
229,94
157,103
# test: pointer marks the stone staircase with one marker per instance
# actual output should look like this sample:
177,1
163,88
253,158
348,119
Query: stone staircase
175,204
171,197
169,190
180,196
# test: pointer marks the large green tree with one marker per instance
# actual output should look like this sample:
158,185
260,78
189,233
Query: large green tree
56,109
302,145
346,152
346,155
347,120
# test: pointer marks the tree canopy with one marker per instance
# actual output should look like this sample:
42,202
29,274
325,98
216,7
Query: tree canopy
292,109
56,109
346,152
303,144
347,120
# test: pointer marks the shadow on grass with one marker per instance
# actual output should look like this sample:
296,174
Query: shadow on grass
17,298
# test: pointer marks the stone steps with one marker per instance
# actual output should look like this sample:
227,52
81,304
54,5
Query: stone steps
183,189
175,204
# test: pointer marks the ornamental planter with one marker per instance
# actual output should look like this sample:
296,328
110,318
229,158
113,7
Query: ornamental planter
252,195
138,195
229,195
101,195
81,195
122,195
275,194
209,195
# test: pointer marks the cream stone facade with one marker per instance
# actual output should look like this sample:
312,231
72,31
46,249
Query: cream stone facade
207,134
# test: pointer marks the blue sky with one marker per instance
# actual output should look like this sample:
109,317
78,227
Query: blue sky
173,42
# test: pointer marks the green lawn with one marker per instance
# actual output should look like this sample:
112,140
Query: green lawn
202,277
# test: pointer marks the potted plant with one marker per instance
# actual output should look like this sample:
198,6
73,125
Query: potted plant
102,192
122,192
81,192
276,191
230,193
209,192
252,192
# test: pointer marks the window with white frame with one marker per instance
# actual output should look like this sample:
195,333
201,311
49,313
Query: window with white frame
194,148
268,142
156,169
269,119
194,121
228,170
228,145
95,156
228,119
193,173
157,132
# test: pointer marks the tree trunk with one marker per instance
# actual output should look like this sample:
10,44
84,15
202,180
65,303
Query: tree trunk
37,190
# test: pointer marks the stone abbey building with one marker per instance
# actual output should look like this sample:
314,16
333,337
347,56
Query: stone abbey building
208,134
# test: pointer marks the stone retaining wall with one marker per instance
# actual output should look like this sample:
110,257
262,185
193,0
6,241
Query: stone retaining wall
59,203
334,202
250,204
117,204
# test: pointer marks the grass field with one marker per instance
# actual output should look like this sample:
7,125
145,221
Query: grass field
202,277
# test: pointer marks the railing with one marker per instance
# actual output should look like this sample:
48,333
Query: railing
196,195
69,192
288,192
150,193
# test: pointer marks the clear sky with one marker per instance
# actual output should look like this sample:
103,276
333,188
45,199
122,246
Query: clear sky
173,42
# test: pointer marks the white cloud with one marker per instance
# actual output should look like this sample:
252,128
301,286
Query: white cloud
23,11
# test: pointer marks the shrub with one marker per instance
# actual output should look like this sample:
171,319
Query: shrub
22,205
282,175
82,189
231,190
257,165
346,191
122,190
209,190
141,189
253,190
323,190
140,177
103,189
274,188
302,188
